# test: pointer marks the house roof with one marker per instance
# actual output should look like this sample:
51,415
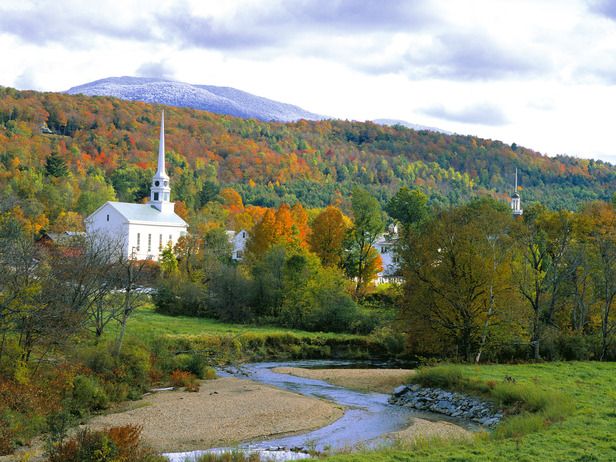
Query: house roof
143,213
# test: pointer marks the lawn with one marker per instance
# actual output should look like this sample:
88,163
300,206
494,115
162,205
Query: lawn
146,322
588,435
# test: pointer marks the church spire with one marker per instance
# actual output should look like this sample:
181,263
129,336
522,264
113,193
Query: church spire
161,191
515,198
161,149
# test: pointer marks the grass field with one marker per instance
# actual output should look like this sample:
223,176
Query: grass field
146,322
587,435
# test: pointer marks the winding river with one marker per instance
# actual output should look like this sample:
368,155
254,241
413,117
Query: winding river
368,416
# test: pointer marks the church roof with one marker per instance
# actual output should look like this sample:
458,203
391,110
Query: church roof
144,213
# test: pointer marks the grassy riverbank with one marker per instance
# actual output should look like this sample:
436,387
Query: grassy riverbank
586,388
256,343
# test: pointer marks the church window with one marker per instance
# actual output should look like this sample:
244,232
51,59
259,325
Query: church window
166,196
149,242
138,241
107,217
155,196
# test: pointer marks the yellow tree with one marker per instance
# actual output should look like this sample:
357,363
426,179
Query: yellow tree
602,237
327,236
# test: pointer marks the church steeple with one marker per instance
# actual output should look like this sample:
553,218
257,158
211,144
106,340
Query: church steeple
161,191
515,198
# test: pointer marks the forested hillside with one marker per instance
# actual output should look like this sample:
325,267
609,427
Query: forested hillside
62,156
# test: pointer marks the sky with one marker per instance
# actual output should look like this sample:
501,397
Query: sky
540,73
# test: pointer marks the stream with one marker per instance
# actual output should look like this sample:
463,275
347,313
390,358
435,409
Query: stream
368,415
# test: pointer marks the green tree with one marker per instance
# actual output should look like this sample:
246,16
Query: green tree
541,272
367,226
409,207
458,296
55,165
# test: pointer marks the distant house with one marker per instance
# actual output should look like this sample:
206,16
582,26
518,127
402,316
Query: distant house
238,243
385,246
69,243
142,231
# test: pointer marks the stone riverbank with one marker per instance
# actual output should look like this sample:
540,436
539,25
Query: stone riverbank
448,403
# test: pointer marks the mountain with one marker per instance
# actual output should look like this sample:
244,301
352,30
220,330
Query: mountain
219,100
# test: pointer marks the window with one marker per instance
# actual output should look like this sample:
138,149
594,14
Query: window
155,196
149,242
170,238
107,217
160,241
138,241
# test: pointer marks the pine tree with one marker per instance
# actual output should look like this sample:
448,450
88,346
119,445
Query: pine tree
55,166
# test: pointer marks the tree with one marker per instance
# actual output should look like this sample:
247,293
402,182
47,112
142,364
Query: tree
130,277
541,272
367,226
168,263
602,237
327,236
55,165
409,207
457,290
263,235
231,199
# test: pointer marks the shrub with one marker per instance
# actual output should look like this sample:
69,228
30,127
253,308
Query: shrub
87,395
108,445
184,379
388,339
131,366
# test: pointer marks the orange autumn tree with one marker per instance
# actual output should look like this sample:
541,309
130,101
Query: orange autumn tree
300,218
286,225
328,232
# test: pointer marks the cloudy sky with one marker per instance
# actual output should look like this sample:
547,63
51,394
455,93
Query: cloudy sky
541,73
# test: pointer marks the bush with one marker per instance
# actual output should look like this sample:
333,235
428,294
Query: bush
87,396
184,379
179,297
108,445
131,366
389,340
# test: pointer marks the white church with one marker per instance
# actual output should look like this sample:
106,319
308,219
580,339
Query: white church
142,230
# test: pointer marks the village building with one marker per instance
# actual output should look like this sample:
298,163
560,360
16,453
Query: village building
515,199
238,244
142,231
385,245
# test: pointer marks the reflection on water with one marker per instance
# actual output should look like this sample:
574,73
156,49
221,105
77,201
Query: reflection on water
368,416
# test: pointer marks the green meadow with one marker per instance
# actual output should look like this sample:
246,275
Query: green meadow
576,419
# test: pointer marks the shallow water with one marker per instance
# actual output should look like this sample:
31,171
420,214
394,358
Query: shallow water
368,416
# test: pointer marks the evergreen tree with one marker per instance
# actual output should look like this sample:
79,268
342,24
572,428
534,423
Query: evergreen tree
55,166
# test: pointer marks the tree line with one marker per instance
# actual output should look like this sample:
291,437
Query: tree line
63,156
480,283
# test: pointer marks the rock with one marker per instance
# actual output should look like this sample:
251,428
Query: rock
448,403
400,390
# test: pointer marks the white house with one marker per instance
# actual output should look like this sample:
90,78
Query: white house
238,242
385,246
142,230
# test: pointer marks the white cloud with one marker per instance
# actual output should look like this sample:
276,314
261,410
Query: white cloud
537,72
